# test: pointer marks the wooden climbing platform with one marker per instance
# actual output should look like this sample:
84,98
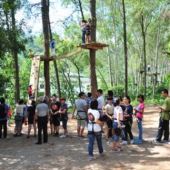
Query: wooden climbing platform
34,76
93,45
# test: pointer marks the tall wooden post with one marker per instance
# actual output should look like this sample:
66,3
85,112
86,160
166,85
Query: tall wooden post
15,55
125,48
55,66
45,23
93,79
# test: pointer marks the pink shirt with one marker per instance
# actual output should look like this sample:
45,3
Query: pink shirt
140,107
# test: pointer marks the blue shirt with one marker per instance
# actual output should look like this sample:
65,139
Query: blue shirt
52,43
6,110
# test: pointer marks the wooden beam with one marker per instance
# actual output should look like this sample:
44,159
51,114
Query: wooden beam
68,55
94,47
61,57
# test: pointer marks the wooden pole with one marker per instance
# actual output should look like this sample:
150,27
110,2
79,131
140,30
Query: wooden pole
93,79
125,48
45,23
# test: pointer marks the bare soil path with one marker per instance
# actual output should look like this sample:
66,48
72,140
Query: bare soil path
20,153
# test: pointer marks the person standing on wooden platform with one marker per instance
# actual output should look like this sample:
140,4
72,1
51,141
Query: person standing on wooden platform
83,29
52,46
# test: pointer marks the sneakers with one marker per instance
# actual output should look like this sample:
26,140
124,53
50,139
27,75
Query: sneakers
155,142
132,141
123,143
92,158
63,136
56,134
165,141
82,136
103,153
116,150
137,141
107,141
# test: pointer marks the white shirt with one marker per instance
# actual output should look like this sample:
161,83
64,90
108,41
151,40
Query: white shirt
96,127
118,110
100,102
110,109
42,109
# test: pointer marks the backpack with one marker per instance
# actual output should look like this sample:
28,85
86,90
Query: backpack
91,117
3,113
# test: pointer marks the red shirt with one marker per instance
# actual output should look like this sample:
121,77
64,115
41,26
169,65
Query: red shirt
29,90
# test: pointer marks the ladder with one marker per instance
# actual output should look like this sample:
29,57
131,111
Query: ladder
34,76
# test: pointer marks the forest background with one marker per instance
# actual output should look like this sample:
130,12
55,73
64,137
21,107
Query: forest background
148,42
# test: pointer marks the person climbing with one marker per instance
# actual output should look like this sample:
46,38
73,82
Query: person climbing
88,31
149,68
52,46
83,28
30,90
31,53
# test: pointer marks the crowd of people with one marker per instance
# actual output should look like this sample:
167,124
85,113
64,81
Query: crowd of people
113,114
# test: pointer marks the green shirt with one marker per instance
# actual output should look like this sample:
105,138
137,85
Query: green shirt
166,105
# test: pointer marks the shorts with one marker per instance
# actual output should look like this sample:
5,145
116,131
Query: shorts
30,120
81,123
56,120
116,138
109,123
18,123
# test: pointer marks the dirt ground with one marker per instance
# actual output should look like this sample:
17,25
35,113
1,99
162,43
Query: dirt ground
70,153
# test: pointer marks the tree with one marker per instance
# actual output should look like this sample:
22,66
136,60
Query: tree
93,79
45,23
125,48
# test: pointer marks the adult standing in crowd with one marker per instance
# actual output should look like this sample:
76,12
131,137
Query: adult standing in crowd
164,119
118,118
89,99
100,99
63,116
9,116
55,106
81,106
3,118
42,113
109,111
94,130
30,115
19,117
128,120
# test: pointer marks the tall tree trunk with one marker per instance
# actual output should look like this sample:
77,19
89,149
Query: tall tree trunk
156,58
81,10
55,66
93,79
45,23
144,52
110,67
15,55
125,48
